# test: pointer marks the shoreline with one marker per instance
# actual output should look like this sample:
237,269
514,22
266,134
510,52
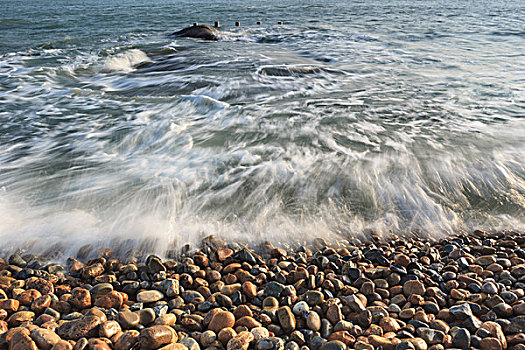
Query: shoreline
462,291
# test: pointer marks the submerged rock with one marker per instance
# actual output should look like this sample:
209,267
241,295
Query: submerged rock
202,31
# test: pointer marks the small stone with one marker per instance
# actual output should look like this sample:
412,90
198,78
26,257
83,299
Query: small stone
44,338
495,330
461,339
21,341
313,321
286,319
333,345
405,345
440,326
517,325
166,319
224,253
220,320
192,296
389,324
146,316
301,307
127,340
207,338
190,343
248,322
273,289
80,298
155,264
109,329
156,336
240,342
490,344
333,314
112,299
249,289
378,341
402,259
432,336
42,303
101,289
260,333
271,343
489,288
461,311
99,344
354,303
485,260
9,305
149,296
170,287
20,317
313,297
342,336
85,327
128,319
413,287
225,335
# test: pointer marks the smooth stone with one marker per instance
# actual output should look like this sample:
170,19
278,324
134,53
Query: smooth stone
333,345
128,319
146,316
431,336
170,287
101,289
405,345
301,307
414,287
270,343
220,320
85,327
461,339
149,296
190,343
461,311
240,342
156,336
273,289
313,321
44,338
286,319
354,303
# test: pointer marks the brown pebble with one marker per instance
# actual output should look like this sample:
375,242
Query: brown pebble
490,343
413,287
157,336
220,320
286,319
9,305
44,338
109,329
80,298
127,340
240,342
226,334
248,322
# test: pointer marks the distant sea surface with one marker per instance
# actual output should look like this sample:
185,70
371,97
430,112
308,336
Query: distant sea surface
351,117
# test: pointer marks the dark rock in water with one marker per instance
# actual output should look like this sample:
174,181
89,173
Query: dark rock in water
17,260
204,32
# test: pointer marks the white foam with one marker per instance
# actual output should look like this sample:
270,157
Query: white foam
125,61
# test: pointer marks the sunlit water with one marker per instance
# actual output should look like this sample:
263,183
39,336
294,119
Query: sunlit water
350,118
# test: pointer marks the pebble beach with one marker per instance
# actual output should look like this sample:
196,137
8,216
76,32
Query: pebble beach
461,292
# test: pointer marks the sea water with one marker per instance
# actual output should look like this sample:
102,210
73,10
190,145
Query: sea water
350,118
